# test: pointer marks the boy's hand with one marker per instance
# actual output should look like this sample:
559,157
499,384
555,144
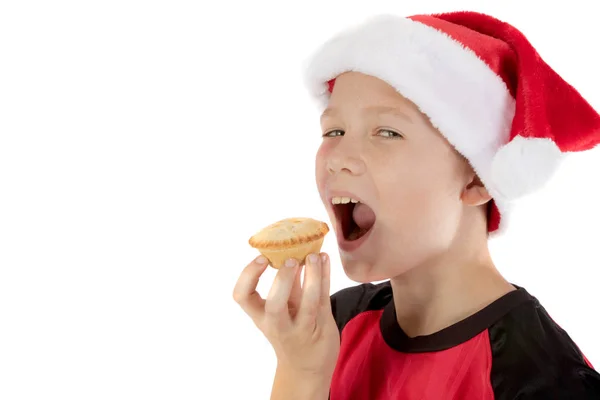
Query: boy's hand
296,320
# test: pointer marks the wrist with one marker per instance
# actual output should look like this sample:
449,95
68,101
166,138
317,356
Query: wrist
291,384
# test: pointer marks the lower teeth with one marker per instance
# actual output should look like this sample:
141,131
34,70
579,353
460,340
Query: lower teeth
357,233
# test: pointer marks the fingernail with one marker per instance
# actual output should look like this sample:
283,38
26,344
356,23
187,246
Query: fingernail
261,260
290,263
324,258
313,259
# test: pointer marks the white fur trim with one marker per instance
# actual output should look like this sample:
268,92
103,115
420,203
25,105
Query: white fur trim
464,99
523,166
519,168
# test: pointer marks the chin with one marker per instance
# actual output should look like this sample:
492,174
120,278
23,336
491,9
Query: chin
361,271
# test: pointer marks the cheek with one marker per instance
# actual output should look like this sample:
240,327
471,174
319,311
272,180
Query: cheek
321,173
400,177
411,187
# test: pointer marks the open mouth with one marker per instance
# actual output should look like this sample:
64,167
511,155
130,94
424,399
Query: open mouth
356,218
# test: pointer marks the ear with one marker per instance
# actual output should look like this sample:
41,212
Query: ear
475,194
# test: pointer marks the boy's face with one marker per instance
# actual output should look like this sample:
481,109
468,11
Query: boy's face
382,150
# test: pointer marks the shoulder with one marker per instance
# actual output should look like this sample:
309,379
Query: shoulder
349,302
534,358
528,334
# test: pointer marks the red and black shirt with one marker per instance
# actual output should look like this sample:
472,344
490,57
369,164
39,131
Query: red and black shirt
509,350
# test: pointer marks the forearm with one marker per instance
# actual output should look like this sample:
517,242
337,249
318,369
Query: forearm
292,386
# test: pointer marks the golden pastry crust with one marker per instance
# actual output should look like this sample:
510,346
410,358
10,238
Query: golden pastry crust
290,238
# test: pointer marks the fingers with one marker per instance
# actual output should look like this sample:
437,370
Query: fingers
244,292
325,312
311,290
276,306
325,301
287,298
296,294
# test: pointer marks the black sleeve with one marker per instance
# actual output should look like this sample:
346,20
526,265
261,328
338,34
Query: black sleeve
349,302
582,384
535,359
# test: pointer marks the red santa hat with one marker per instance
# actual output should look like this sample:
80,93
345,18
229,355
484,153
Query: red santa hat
483,86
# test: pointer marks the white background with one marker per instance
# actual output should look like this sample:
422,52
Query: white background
143,143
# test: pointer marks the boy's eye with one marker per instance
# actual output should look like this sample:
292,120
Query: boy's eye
386,133
334,133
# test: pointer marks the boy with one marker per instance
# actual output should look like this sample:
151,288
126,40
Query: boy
433,126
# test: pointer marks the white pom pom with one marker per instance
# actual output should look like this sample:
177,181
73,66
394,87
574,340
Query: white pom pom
524,165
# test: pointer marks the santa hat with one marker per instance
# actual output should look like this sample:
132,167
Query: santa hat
483,86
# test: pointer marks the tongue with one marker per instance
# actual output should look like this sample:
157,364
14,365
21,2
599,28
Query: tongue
363,216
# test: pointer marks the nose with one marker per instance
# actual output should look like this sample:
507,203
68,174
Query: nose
346,159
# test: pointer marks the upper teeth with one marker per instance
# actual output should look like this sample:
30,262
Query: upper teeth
343,200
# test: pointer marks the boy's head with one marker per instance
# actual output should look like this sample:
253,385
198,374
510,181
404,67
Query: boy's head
428,121
418,194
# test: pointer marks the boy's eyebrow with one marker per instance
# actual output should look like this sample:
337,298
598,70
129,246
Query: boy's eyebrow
390,111
329,112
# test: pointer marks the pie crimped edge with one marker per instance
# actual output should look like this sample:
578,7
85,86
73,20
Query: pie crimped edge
290,238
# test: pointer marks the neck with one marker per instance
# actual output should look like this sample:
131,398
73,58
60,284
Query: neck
431,297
